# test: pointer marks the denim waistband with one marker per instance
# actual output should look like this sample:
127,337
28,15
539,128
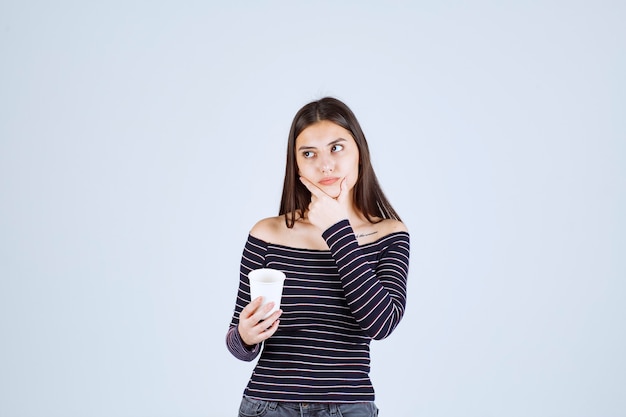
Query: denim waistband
311,406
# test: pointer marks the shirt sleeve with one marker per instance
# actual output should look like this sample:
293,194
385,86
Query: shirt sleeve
238,348
376,296
253,257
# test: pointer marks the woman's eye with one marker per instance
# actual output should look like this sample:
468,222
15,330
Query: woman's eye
336,148
308,154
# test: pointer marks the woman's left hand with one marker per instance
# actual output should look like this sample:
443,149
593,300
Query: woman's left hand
324,210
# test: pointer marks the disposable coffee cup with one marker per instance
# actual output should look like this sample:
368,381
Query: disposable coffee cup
267,282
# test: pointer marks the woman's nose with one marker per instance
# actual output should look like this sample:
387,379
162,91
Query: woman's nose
326,164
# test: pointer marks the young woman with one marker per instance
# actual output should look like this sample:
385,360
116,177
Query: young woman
345,253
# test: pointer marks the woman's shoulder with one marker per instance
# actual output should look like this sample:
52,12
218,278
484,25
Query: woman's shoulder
389,226
269,228
274,230
372,231
384,227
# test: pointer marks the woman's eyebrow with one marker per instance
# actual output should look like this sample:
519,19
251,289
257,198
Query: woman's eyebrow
334,142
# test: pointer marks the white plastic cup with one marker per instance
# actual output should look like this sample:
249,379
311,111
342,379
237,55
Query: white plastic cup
267,282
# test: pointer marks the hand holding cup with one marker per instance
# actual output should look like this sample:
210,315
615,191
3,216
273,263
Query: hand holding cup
259,319
253,329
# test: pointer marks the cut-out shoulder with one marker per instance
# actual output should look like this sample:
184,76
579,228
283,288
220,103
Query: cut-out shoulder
306,236
392,226
267,229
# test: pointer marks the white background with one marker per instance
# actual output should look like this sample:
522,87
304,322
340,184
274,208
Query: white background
140,141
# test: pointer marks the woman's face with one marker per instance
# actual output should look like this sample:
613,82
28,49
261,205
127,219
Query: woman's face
326,153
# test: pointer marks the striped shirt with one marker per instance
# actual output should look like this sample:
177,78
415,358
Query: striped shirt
334,302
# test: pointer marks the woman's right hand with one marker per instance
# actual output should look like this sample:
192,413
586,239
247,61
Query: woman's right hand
252,329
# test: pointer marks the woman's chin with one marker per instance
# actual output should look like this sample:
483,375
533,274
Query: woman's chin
333,192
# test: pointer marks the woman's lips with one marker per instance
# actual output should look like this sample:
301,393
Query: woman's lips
328,181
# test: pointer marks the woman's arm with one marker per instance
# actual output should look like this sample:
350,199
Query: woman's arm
253,257
377,298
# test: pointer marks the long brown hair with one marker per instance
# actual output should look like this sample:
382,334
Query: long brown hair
368,195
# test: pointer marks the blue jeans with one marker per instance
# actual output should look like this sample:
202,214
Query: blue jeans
251,407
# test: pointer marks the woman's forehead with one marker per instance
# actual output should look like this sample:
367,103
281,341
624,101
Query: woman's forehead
324,133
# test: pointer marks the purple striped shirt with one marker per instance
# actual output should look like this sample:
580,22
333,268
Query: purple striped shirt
334,302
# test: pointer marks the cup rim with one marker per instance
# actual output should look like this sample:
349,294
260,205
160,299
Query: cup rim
278,275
